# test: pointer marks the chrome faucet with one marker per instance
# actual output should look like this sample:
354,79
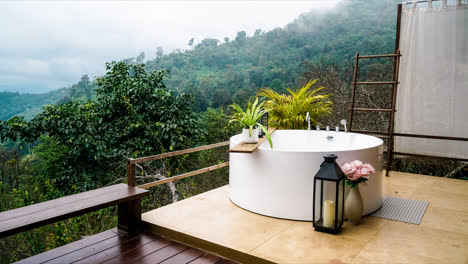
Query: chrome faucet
308,120
343,122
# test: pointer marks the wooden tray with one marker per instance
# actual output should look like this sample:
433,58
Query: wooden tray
249,148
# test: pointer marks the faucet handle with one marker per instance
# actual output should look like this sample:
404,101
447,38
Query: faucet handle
337,129
328,128
318,127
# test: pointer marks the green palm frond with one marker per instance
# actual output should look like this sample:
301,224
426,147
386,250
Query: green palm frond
289,111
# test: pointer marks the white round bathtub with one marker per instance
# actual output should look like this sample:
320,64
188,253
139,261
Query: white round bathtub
278,182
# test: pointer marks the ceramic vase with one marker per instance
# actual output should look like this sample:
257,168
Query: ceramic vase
354,206
252,138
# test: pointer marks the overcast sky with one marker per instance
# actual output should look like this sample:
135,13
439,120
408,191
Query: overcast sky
49,45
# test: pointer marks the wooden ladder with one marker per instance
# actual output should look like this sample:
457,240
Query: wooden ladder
394,82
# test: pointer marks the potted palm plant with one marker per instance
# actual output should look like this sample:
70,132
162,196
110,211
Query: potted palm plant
249,121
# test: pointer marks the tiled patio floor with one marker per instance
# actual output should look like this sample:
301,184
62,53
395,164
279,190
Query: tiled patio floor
212,222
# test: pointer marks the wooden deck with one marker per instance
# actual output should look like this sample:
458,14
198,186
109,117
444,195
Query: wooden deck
113,246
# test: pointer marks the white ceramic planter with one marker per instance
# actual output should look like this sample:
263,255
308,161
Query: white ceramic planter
253,138
278,182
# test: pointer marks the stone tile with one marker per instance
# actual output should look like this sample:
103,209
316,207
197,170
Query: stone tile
442,236
442,199
301,244
370,256
177,214
238,229
365,231
446,219
409,179
213,217
450,185
407,241
401,191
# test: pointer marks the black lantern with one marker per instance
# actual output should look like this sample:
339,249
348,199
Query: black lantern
264,122
330,181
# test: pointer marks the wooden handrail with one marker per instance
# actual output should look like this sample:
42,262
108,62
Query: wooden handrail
177,153
131,165
379,56
185,175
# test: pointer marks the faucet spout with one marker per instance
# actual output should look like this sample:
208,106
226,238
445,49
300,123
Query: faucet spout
343,122
308,120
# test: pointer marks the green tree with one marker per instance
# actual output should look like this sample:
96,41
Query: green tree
190,43
134,114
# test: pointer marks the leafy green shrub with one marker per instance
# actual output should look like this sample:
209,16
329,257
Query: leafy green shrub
289,111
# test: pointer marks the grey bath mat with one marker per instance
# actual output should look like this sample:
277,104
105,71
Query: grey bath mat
400,209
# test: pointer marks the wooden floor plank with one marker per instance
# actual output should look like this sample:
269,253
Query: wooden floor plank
206,259
139,252
162,254
89,250
77,245
113,246
184,257
117,250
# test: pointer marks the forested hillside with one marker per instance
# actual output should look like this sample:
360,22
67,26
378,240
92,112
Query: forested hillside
26,105
219,72
29,105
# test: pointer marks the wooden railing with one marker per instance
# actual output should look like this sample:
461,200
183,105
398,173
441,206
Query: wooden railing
131,165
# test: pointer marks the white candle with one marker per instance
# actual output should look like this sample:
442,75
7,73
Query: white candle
328,213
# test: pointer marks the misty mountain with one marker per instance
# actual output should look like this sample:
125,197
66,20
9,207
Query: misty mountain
27,105
234,70
218,72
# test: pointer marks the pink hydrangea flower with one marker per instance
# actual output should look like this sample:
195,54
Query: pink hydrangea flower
348,168
357,163
357,172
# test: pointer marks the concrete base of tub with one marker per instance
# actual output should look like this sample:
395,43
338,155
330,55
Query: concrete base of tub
278,182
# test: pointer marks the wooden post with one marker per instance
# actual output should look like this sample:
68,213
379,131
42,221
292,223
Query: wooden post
129,213
391,137
131,168
129,216
354,91
396,66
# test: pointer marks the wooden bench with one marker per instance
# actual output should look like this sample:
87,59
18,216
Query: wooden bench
128,199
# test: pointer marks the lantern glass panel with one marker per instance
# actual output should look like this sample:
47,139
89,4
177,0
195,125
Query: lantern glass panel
328,197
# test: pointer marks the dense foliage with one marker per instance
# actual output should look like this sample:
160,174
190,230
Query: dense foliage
134,114
290,111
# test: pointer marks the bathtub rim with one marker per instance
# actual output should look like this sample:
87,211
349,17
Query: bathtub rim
265,146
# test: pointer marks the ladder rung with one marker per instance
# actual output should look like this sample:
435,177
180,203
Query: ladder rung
378,56
368,83
373,109
375,133
370,132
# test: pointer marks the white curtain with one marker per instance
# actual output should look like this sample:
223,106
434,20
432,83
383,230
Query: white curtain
432,97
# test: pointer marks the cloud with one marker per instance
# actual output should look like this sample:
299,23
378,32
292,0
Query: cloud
45,44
